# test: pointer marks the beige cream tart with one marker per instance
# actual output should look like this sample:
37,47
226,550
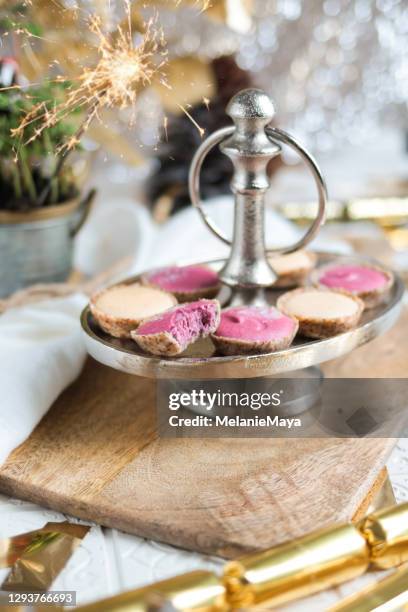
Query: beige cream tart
321,313
292,269
121,308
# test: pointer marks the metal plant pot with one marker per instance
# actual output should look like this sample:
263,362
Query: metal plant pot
37,246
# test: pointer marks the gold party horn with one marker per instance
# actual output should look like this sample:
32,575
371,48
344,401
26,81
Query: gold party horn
297,569
198,591
386,532
384,596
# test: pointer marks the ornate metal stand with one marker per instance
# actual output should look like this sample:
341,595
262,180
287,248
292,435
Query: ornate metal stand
250,144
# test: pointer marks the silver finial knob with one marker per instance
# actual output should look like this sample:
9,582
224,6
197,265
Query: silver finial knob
251,104
250,144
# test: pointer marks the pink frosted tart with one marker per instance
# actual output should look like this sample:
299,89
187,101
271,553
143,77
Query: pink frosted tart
370,283
292,269
171,332
121,308
247,330
321,313
186,283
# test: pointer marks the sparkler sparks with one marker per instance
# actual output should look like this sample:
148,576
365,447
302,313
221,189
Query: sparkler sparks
123,69
201,131
114,81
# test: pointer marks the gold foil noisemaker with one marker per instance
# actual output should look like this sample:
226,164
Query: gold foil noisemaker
37,557
315,562
320,560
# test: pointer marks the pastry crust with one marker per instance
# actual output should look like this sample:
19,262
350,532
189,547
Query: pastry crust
119,327
371,298
186,296
162,344
320,328
295,277
232,346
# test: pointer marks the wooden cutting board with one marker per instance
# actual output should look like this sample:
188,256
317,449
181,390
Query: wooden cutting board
95,455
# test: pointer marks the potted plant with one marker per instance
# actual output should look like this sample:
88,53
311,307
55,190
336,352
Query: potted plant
40,205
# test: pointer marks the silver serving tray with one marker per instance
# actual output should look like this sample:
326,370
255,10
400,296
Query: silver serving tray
200,361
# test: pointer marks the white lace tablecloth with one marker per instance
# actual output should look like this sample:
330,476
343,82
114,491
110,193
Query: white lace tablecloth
109,561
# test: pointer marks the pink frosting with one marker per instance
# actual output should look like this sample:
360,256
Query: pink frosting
354,279
184,278
254,323
185,322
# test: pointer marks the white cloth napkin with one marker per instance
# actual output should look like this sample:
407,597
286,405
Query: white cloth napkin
41,353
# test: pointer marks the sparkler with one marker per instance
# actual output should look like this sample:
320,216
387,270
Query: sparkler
114,81
122,70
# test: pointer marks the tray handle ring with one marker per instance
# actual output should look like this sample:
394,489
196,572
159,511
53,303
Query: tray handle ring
274,134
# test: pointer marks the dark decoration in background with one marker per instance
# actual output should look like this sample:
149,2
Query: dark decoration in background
167,189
